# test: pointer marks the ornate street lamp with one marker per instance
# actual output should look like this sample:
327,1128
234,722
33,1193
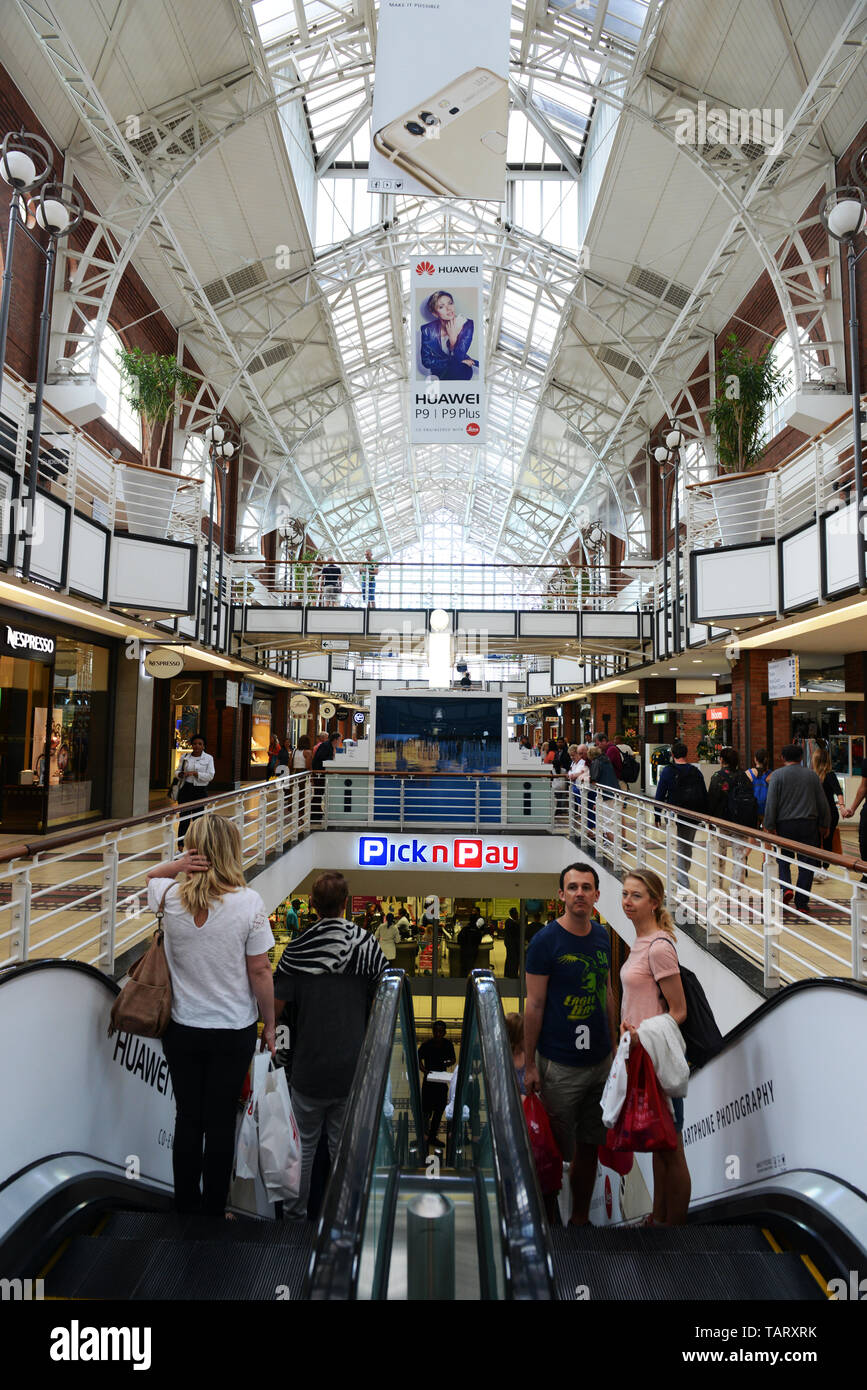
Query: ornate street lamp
25,164
669,454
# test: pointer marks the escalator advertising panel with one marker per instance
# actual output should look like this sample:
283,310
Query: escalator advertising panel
441,99
74,1090
447,381
788,1095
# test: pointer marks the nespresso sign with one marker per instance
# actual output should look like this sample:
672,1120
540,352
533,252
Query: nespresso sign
36,646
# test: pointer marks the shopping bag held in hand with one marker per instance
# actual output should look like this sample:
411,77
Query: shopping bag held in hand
548,1159
279,1142
247,1149
645,1122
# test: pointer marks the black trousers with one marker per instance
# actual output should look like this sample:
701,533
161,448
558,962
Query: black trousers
434,1099
188,793
805,832
207,1067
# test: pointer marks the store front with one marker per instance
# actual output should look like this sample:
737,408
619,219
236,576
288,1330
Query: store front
54,727
185,702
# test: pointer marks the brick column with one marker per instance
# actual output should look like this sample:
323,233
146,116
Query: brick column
604,708
757,722
689,724
656,692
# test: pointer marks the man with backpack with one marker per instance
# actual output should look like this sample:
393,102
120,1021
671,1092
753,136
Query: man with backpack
681,785
630,768
604,772
730,796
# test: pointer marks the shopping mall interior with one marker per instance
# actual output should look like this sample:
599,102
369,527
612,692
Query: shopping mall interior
415,457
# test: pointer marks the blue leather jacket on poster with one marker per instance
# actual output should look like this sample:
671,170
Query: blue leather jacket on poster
433,356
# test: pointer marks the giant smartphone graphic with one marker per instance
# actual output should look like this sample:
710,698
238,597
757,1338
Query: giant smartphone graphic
454,142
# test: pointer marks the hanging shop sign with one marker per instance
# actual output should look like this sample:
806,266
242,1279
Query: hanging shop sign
327,709
441,99
299,705
784,679
406,851
28,646
358,717
231,694
163,662
246,696
447,384
714,714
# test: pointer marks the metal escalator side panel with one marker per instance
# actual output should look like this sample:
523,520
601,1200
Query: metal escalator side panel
497,1144
368,1152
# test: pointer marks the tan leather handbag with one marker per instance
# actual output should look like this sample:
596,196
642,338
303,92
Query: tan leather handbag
144,1005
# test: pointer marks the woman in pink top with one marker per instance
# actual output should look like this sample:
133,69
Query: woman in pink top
651,979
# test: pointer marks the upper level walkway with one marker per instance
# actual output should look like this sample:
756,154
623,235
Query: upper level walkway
81,895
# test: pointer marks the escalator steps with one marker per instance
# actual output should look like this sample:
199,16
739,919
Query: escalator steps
108,1267
678,1275
156,1225
695,1239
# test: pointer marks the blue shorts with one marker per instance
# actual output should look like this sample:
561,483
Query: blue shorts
677,1102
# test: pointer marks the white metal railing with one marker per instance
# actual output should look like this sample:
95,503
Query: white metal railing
552,588
818,478
87,900
731,884
74,469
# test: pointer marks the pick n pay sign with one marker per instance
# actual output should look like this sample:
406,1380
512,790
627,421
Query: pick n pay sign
392,851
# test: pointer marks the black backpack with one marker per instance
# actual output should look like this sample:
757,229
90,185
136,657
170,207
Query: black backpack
689,792
743,808
630,771
700,1032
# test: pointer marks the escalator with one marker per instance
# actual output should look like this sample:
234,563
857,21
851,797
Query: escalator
779,1202
86,1186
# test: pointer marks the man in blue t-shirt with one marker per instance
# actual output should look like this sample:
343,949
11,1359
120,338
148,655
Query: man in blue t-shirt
569,1027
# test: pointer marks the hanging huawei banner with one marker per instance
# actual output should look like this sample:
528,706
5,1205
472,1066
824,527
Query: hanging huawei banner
447,378
441,99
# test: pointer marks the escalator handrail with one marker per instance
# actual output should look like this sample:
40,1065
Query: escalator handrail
336,1257
529,1261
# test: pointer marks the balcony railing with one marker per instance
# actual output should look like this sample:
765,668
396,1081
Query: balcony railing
737,509
409,585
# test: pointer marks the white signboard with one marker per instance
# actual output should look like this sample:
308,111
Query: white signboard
447,384
299,705
784,679
163,662
231,694
441,99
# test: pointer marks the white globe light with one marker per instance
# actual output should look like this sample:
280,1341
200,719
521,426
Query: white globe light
216,433
227,450
440,620
18,169
846,217
52,215
660,453
672,439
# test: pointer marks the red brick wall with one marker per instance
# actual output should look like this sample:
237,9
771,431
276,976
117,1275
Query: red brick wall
750,724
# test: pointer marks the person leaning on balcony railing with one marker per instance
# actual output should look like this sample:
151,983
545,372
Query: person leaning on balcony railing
849,811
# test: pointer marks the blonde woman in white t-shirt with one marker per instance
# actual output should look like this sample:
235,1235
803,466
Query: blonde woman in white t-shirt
217,937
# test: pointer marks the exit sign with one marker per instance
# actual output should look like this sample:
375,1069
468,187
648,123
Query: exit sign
660,719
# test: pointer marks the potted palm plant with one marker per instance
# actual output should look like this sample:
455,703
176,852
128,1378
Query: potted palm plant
153,382
746,386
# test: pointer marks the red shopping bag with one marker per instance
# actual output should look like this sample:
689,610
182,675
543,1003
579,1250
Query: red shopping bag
549,1162
618,1162
645,1122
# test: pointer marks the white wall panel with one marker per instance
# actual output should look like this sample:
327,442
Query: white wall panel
49,535
272,620
600,625
548,624
381,620
496,624
801,568
335,620
147,574
316,667
342,679
566,671
735,583
87,547
539,683
841,554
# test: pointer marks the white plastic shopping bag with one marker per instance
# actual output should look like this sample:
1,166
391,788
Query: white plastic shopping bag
615,1087
279,1141
247,1148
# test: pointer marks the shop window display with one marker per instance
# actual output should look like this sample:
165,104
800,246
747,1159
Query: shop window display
186,700
76,753
260,733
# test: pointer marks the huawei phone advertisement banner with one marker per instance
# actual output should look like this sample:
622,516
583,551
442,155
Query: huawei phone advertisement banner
447,368
441,99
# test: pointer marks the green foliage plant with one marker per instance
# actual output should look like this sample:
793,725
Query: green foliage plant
152,382
746,386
